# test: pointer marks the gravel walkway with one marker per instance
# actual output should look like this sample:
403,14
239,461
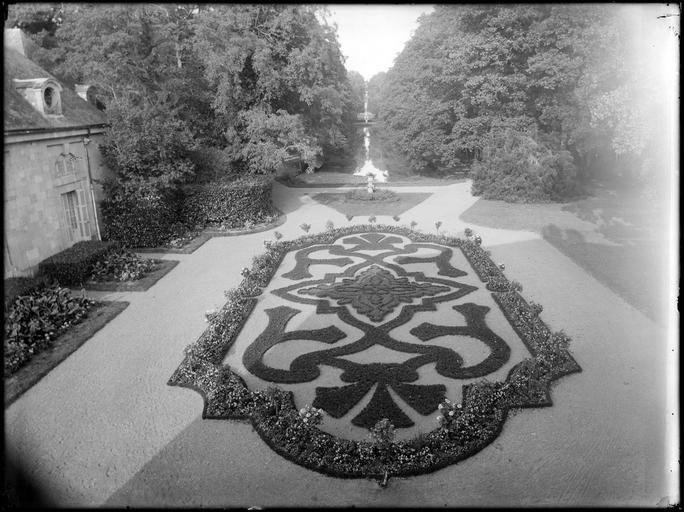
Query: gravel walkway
103,428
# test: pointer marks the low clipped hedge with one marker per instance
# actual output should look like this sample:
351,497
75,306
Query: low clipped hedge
73,265
230,204
475,422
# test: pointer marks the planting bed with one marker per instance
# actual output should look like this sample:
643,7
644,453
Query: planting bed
374,323
42,363
161,268
191,244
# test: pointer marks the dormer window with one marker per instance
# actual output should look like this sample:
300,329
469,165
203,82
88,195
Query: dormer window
44,94
89,93
47,96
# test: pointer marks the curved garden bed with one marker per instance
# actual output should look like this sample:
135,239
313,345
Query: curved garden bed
465,428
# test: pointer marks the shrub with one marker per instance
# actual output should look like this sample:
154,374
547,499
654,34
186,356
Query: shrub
73,265
34,320
15,286
231,204
141,217
122,266
518,168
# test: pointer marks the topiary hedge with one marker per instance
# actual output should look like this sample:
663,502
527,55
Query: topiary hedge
141,219
228,203
474,424
73,265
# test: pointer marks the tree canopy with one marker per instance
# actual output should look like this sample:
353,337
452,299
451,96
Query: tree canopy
265,82
476,78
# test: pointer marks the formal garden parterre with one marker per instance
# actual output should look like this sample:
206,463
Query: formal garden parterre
375,296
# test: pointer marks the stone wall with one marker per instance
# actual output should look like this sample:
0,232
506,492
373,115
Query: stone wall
36,225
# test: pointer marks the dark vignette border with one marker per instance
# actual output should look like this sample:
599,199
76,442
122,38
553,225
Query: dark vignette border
273,413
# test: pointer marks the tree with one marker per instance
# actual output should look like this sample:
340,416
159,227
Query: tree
560,74
358,90
277,72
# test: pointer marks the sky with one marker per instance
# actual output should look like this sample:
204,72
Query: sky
371,36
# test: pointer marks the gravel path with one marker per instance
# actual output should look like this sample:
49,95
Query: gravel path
103,428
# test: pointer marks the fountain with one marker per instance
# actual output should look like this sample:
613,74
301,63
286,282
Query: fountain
368,169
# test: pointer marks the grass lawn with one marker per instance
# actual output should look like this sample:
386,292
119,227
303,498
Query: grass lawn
395,206
616,235
42,363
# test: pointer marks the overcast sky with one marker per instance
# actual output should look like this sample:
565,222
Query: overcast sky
371,36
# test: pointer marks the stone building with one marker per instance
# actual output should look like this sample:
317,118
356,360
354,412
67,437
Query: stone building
53,169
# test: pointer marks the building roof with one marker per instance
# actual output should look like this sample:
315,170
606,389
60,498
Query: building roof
21,116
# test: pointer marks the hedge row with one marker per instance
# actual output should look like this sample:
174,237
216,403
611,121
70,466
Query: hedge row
230,204
141,220
153,219
73,265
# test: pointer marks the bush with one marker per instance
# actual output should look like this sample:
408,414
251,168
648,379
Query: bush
517,168
15,286
139,218
122,266
73,265
34,320
231,204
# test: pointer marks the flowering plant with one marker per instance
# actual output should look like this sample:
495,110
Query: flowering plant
278,235
310,415
448,412
382,434
468,232
371,219
329,225
305,227
438,224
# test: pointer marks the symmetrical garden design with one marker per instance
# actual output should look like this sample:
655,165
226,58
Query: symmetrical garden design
317,316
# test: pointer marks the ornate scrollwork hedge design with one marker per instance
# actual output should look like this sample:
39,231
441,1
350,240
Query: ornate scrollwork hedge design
374,293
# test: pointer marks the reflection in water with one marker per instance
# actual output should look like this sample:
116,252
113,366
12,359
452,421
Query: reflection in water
368,169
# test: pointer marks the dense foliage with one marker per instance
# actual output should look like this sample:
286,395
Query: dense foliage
229,204
141,217
250,85
122,266
72,266
559,86
279,80
35,319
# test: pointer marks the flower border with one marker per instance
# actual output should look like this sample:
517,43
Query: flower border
277,421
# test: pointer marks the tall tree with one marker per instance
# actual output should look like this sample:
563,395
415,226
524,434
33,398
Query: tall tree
558,75
280,82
